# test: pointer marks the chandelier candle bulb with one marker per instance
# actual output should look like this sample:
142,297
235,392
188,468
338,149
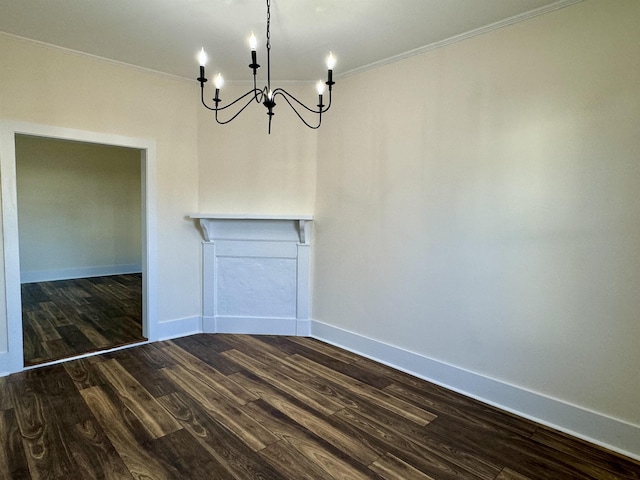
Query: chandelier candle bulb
320,90
253,44
202,59
218,81
331,63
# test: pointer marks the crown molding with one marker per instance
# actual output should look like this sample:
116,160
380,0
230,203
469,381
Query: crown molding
79,53
461,37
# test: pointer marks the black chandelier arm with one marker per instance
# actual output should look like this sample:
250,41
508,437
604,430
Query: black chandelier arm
223,122
286,95
319,113
257,95
202,99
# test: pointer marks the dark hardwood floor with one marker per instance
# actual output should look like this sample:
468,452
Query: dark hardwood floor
263,407
67,318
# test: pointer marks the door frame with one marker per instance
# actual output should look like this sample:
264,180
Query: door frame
11,346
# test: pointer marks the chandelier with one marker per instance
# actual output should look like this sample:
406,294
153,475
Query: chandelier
267,96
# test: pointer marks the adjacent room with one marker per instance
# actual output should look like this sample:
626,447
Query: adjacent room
440,281
80,225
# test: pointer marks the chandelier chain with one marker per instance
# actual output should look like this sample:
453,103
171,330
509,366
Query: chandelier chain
268,24
268,46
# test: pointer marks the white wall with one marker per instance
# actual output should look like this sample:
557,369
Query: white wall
43,85
79,209
245,170
479,205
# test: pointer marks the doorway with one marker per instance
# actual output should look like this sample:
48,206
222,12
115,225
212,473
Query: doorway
11,335
80,223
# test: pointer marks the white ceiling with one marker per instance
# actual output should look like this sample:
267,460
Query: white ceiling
165,35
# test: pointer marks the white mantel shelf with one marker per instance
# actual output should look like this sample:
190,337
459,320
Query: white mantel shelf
209,220
242,216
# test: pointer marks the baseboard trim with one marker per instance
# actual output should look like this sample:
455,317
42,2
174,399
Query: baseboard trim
80,272
611,433
180,327
6,367
303,328
256,325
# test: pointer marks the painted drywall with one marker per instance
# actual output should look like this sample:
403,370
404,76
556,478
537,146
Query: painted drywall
479,205
49,86
79,208
245,170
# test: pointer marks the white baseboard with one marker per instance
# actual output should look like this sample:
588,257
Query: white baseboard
180,327
594,427
80,272
256,325
303,328
6,368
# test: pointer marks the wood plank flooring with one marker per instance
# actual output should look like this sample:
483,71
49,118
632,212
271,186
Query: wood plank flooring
263,407
67,318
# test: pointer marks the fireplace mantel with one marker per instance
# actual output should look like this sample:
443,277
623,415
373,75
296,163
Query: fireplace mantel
256,273
209,222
